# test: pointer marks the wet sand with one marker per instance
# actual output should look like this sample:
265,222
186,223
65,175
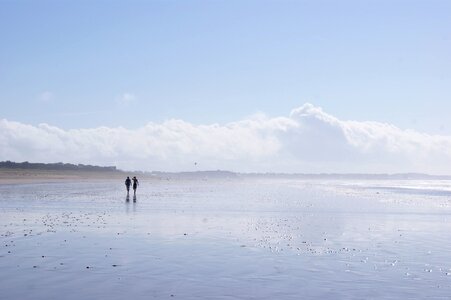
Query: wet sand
225,239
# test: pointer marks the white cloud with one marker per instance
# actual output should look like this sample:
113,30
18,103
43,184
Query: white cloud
308,140
126,99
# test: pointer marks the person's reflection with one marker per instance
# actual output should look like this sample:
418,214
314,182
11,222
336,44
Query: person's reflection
127,198
134,206
134,198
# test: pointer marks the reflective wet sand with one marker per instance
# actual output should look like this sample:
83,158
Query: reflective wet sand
226,239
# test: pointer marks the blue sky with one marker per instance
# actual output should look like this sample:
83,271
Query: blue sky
86,64
218,61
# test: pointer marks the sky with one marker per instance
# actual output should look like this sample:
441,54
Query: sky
249,86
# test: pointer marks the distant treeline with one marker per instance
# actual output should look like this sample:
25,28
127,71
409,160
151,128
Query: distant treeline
54,166
224,174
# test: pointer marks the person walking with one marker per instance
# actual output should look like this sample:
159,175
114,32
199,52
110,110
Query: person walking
135,184
128,182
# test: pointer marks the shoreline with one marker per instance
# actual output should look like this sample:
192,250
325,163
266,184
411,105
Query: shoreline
24,176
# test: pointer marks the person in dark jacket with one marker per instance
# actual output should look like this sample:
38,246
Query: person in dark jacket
128,182
135,184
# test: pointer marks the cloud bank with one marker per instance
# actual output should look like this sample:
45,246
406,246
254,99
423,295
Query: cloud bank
308,140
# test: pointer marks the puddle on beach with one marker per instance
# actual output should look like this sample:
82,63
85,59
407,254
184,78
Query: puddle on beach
226,239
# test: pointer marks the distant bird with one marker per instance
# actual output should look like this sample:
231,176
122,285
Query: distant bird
195,163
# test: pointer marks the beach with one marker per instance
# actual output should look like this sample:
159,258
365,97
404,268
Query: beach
80,237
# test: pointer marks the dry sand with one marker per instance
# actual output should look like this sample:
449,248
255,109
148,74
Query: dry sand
16,176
